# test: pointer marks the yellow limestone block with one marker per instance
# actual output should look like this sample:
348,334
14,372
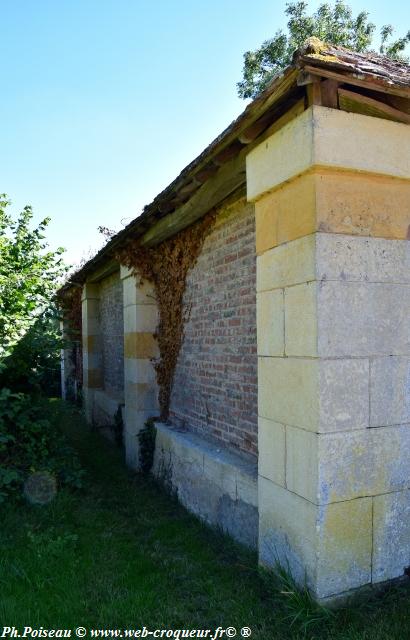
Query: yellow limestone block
333,201
363,205
302,463
140,318
301,323
322,137
286,214
93,378
272,452
288,391
90,292
286,265
140,345
328,546
270,323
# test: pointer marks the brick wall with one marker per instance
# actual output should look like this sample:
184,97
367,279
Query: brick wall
112,330
215,383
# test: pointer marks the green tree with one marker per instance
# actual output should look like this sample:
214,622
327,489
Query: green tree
29,276
334,24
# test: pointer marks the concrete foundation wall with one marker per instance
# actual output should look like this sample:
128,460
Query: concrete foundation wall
218,486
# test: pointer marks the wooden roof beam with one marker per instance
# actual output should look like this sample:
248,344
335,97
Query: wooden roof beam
365,83
358,103
319,91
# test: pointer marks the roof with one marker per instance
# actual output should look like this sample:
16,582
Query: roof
181,202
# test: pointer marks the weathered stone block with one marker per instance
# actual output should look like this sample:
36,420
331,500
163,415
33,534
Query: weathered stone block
129,291
287,531
287,153
247,487
358,319
362,204
90,325
138,292
391,535
301,320
125,272
318,138
288,391
326,468
317,395
270,323
286,214
389,390
328,546
140,345
348,258
139,370
302,463
91,308
131,446
135,419
344,546
142,396
105,407
219,472
287,265
360,150
344,395
272,450
218,486
335,202
90,292
363,463
140,318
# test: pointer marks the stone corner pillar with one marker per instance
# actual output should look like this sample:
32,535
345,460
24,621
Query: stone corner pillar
68,390
140,348
332,205
92,352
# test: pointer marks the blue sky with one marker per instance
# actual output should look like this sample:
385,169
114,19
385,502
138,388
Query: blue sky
105,101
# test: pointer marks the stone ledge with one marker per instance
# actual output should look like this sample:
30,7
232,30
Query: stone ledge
218,486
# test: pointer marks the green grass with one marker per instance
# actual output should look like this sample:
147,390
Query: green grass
121,553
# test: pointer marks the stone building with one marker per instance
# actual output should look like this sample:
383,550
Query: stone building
288,422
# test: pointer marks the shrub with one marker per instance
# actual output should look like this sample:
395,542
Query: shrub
31,443
146,438
30,274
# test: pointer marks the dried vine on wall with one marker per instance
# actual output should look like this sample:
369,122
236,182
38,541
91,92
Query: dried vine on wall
69,300
166,266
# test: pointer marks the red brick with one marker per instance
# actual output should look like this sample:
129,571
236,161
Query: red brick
215,382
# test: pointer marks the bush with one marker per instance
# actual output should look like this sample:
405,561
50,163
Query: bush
30,443
30,275
34,364
146,438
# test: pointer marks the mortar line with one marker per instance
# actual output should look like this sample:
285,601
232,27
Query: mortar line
327,504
